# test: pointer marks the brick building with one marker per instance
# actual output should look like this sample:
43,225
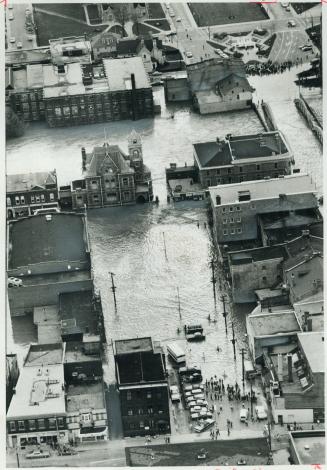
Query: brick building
112,177
236,206
28,192
242,158
67,94
143,387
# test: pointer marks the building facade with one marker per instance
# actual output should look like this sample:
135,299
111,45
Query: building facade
143,387
236,206
149,50
28,192
242,158
113,177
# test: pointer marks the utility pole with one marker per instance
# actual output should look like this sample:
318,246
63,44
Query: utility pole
113,288
243,372
213,280
251,397
164,240
233,340
18,465
223,299
179,303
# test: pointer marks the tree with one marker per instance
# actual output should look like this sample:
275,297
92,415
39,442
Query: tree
15,127
121,14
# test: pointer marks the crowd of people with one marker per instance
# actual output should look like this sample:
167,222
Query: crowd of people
270,68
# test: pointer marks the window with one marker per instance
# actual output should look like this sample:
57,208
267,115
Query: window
241,169
252,206
224,221
12,426
209,182
51,197
241,179
231,220
140,411
224,209
264,279
130,412
32,199
40,423
238,97
125,181
232,231
263,267
218,180
148,394
229,170
52,423
127,195
218,172
238,220
60,422
8,201
22,199
276,165
208,173
141,424
225,232
37,198
17,200
239,230
129,395
42,198
150,411
95,198
31,424
21,425
94,183
238,208
231,209
258,167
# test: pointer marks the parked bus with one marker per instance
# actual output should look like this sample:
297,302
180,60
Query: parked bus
176,353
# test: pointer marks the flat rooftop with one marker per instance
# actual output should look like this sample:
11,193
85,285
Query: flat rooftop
257,254
36,240
309,446
264,189
76,351
278,321
42,355
77,309
118,72
85,397
29,181
28,56
240,148
39,393
130,346
313,346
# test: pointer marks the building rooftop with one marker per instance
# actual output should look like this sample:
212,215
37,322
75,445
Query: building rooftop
130,346
309,446
77,312
257,254
36,239
119,71
305,278
278,321
85,397
29,181
43,355
127,46
302,248
39,392
300,185
313,346
77,351
60,84
116,160
28,56
237,149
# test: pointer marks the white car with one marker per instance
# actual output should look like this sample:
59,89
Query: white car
14,282
179,19
38,454
284,4
189,54
244,414
19,45
208,423
291,24
12,40
11,16
260,412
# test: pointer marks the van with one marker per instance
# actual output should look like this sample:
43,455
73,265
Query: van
176,353
244,414
249,369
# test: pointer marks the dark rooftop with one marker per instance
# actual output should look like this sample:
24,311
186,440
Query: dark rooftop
132,46
78,310
137,362
225,152
257,254
35,240
301,248
77,351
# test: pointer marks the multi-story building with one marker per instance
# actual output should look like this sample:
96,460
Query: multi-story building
50,254
219,85
236,206
71,49
37,412
242,158
143,388
31,191
150,51
66,94
113,177
297,381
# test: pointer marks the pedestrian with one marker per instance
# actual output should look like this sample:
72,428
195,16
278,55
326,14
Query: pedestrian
221,407
231,424
204,357
243,406
198,224
217,432
228,431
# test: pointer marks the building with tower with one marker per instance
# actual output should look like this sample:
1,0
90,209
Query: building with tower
113,177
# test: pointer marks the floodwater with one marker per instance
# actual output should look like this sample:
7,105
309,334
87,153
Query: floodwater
155,250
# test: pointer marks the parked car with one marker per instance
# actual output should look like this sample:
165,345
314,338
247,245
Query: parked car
306,48
11,16
284,4
179,19
189,54
19,45
208,423
244,414
12,40
174,394
14,282
260,412
38,454
291,24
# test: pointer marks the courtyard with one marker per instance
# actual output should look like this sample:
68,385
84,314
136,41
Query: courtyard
210,14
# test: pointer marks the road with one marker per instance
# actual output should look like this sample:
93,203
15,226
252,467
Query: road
16,27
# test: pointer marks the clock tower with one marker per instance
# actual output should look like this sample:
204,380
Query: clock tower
135,150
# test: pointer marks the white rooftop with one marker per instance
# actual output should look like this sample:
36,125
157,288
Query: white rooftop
119,71
313,346
263,189
39,393
68,83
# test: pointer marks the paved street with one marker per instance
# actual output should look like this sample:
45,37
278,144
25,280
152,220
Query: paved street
16,27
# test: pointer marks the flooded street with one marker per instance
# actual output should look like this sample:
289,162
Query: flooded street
131,241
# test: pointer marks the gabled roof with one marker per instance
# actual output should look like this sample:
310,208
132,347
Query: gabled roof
231,81
115,156
28,181
133,46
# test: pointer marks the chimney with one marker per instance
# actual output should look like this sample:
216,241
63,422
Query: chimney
83,158
289,367
133,97
280,367
309,324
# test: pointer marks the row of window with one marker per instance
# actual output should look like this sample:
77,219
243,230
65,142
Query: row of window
21,200
231,209
141,425
232,231
240,168
141,411
36,424
149,394
232,220
110,182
